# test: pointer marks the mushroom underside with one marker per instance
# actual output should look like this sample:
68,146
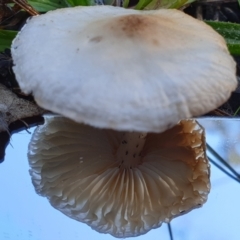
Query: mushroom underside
84,175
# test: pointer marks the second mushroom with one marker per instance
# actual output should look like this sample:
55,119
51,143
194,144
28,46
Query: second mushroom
120,183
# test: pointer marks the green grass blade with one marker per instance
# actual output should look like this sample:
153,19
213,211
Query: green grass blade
142,4
6,38
156,4
125,3
47,5
74,3
231,33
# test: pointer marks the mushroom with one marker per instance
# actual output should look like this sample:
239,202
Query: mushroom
118,183
123,69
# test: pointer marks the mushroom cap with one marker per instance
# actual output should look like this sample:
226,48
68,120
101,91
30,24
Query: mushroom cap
123,69
75,167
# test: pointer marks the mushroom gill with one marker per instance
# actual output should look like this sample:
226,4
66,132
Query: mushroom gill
85,173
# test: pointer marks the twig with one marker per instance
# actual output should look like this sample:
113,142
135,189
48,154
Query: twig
226,164
222,169
170,231
28,8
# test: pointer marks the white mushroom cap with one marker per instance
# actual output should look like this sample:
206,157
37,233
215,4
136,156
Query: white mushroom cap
78,169
123,69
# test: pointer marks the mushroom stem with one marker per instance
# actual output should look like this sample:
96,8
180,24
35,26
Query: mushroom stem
129,151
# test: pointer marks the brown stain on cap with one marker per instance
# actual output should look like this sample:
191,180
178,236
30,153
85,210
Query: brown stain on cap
134,25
